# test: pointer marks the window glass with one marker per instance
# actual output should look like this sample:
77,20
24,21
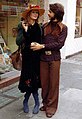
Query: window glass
78,21
10,16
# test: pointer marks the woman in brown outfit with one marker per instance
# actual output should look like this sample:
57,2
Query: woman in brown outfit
54,36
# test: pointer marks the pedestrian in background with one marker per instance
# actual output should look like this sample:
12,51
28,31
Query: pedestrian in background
30,73
54,36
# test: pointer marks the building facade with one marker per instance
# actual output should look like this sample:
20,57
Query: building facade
10,11
10,15
73,19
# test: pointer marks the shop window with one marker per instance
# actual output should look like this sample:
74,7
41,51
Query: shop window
78,21
9,18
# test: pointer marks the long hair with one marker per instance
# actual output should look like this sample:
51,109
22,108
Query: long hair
58,10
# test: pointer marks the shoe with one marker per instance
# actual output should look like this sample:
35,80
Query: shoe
43,108
36,109
49,115
25,107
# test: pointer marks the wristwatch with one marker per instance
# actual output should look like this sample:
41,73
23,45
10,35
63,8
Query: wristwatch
43,46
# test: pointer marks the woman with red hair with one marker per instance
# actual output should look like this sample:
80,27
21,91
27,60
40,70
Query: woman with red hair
29,78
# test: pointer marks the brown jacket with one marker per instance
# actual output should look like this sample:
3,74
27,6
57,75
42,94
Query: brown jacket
54,38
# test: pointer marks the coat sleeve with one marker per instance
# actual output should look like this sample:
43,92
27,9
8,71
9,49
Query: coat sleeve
20,37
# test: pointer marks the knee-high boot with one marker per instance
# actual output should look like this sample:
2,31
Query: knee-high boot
25,102
36,106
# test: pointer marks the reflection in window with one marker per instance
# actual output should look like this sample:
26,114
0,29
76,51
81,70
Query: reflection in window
78,21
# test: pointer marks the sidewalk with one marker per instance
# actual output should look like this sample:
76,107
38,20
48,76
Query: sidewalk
70,96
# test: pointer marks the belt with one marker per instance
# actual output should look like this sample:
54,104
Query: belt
48,52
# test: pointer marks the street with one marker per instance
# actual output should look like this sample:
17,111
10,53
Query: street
70,96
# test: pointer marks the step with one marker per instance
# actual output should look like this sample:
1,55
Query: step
9,74
9,79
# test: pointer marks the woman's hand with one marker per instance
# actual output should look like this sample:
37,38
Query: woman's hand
25,25
36,46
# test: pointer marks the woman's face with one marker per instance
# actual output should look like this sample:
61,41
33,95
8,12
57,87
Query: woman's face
34,14
50,14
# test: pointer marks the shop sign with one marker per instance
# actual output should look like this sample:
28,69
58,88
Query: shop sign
12,10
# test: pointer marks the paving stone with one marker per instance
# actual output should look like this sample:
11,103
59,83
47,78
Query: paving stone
69,108
14,92
4,101
73,95
9,95
72,61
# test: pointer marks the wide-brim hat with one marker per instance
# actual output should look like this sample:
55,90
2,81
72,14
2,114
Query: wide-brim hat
33,7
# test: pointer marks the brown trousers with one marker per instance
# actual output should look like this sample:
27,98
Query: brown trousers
49,74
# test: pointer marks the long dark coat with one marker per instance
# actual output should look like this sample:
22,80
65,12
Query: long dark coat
29,79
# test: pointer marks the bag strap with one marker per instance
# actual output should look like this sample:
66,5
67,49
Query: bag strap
19,49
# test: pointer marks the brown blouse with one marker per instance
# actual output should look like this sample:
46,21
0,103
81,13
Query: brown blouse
54,38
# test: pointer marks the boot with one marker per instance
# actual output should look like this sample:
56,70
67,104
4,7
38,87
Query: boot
37,104
25,103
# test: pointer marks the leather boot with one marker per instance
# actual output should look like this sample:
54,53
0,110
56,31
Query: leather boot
25,103
37,104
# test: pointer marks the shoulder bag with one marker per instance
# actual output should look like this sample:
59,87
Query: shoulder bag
16,59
